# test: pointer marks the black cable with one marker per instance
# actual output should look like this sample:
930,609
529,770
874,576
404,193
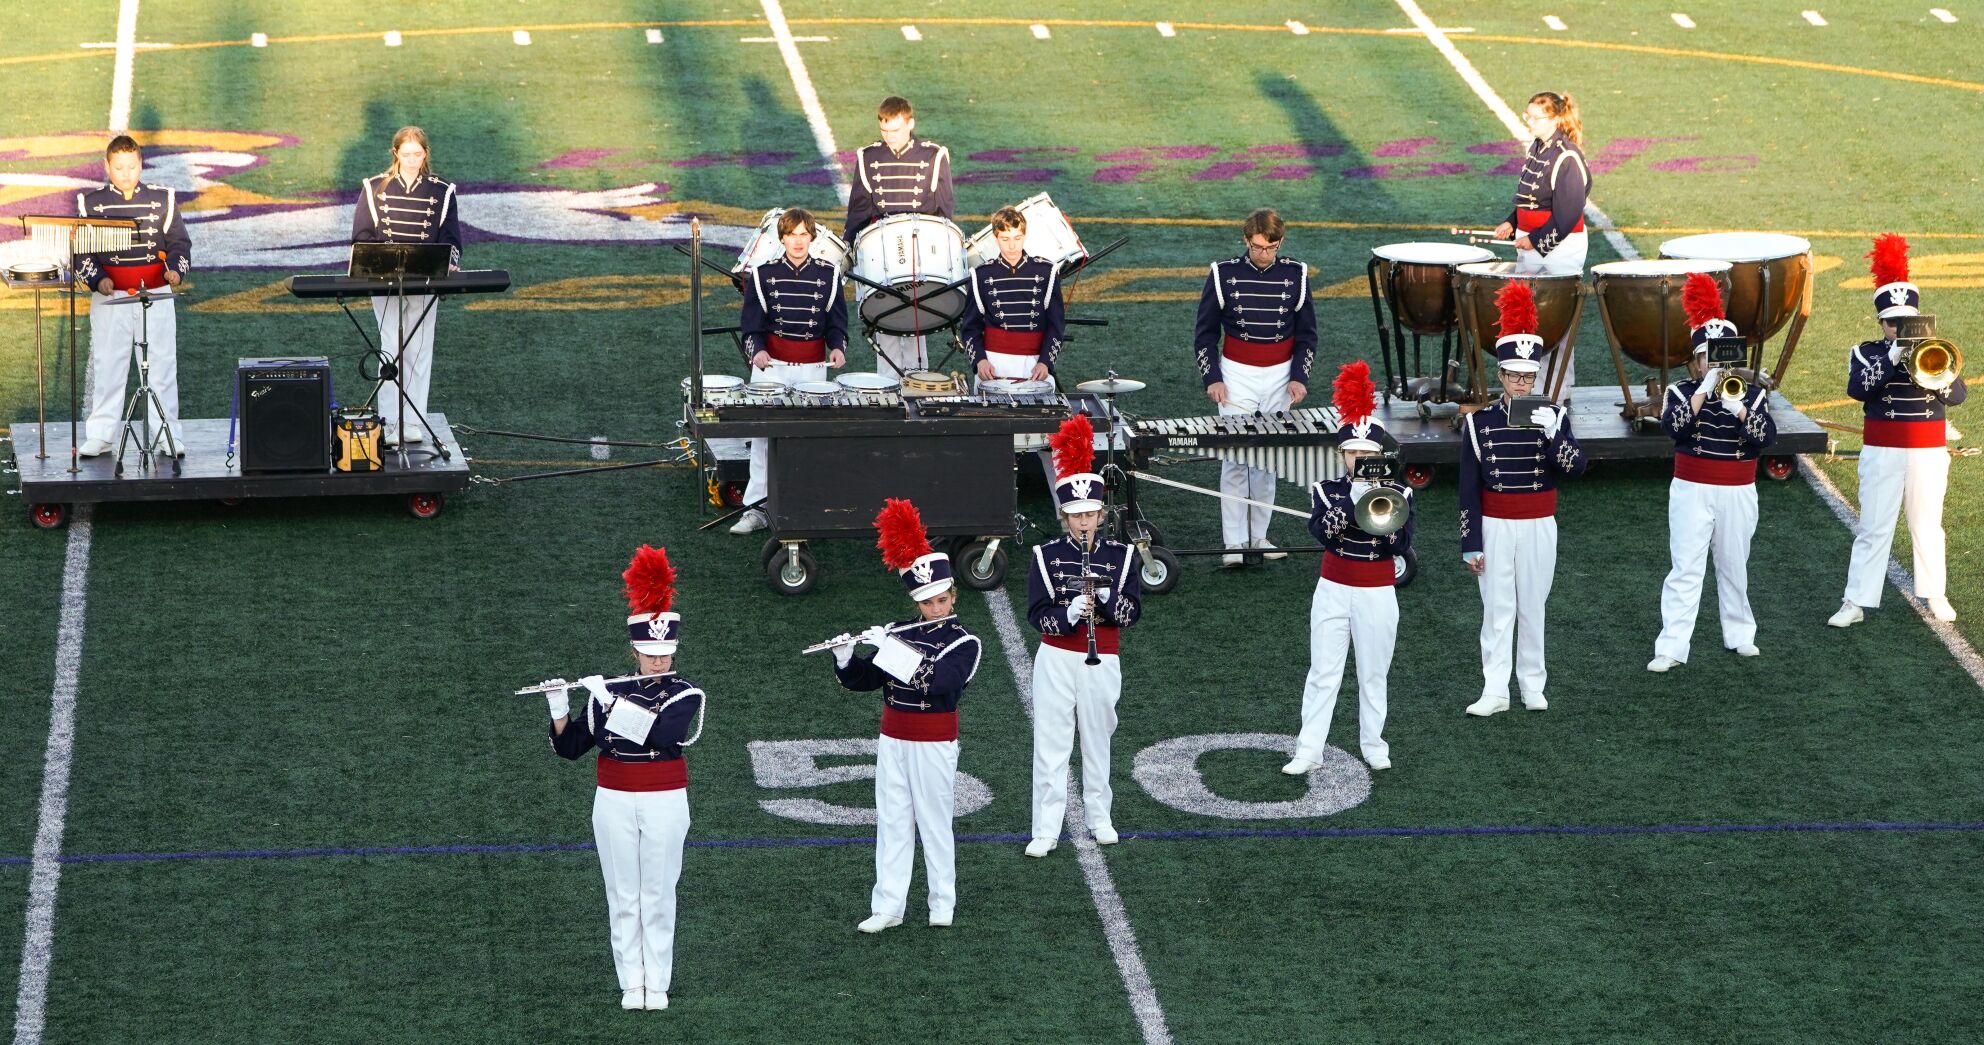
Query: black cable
461,426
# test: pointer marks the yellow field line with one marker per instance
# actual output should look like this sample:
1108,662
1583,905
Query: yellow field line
1829,404
1754,59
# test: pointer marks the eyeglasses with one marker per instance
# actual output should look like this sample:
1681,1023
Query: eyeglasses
1269,249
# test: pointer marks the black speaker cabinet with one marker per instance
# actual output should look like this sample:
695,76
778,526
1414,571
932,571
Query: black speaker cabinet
285,412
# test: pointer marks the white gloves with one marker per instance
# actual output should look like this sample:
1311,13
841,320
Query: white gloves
1895,353
1102,594
1733,405
1077,608
560,699
844,654
1470,557
596,686
873,636
1358,488
1548,418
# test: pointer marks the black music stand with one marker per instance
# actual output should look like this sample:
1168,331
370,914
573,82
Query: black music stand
402,267
144,396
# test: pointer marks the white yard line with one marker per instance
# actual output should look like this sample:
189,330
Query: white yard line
1101,885
120,84
809,99
45,867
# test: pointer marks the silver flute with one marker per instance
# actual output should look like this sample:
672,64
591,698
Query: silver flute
545,687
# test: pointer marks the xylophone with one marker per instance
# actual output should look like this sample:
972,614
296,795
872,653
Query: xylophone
1040,405
1297,445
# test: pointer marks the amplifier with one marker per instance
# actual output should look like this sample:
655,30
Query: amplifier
284,407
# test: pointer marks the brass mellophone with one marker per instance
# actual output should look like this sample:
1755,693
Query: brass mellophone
546,687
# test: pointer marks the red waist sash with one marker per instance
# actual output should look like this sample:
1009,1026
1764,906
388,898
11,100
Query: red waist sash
919,725
670,774
131,277
1357,573
1540,504
1258,353
1907,434
1712,472
800,352
1530,220
1013,342
1107,640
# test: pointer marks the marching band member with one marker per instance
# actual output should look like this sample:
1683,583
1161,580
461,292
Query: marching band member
160,255
1069,689
407,204
1905,464
1013,317
1548,219
1355,605
795,328
640,810
1508,508
916,760
1255,340
1712,502
898,175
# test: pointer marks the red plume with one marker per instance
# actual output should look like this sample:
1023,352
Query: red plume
1074,447
650,581
1355,396
901,534
1890,256
1701,299
1518,307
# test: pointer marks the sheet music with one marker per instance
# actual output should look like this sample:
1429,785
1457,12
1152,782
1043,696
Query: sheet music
898,658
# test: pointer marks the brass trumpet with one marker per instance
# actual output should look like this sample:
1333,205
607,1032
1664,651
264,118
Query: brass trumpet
1380,512
1932,363
1732,385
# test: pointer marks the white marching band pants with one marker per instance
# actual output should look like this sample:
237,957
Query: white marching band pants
1899,479
114,331
1067,694
1248,389
640,835
418,365
1566,260
787,374
1343,617
1705,519
1521,558
905,349
915,782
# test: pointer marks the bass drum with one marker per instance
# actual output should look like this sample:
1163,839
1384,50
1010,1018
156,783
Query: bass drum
918,256
1049,236
765,245
1417,280
1769,275
1640,302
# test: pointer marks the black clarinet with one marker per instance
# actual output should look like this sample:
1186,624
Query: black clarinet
1088,608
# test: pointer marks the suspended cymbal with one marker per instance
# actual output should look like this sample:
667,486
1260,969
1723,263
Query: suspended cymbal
1109,386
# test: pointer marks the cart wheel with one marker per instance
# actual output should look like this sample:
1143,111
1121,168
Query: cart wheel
49,516
792,574
1158,571
978,577
1404,568
1150,529
424,505
1419,476
1780,467
730,494
772,546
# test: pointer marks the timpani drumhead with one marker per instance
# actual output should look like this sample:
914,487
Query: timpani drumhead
1433,253
1736,246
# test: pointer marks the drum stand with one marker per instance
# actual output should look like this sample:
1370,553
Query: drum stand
145,395
390,370
40,362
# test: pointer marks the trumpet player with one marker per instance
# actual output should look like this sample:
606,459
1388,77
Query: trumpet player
640,809
922,666
1720,425
1082,592
1510,455
1905,464
1354,606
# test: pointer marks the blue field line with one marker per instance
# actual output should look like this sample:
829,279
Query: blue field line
1160,836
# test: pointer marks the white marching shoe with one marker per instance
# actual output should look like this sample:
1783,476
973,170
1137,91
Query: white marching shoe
1299,766
1941,608
1378,761
1274,551
1105,835
1231,560
633,998
1748,649
875,923
940,921
1848,615
750,522
657,1001
1487,706
1041,847
391,436
94,447
1535,703
1662,663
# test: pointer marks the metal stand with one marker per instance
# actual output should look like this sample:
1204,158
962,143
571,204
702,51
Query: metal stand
146,396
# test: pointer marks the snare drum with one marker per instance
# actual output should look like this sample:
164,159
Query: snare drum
1417,281
718,389
764,391
866,388
1768,275
816,393
766,246
919,255
1640,302
929,383
1006,387
1049,235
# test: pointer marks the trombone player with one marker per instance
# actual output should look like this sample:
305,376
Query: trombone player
1363,522
1720,425
1905,464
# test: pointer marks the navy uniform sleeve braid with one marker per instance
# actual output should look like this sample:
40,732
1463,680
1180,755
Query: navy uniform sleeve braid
837,314
1043,610
1470,489
971,325
1054,324
450,231
87,269
1400,540
1955,393
1206,331
861,209
754,322
860,675
365,216
1570,187
576,740
942,199
952,670
178,246
671,726
1566,456
1126,607
1677,414
1305,334
1867,369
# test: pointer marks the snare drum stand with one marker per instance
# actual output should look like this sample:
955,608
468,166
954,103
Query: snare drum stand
144,394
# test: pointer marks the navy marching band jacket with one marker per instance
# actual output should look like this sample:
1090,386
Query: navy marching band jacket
1014,309
1551,194
926,707
390,212
653,764
796,314
1508,472
160,230
1710,445
1898,411
1051,585
916,181
1350,555
1255,316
